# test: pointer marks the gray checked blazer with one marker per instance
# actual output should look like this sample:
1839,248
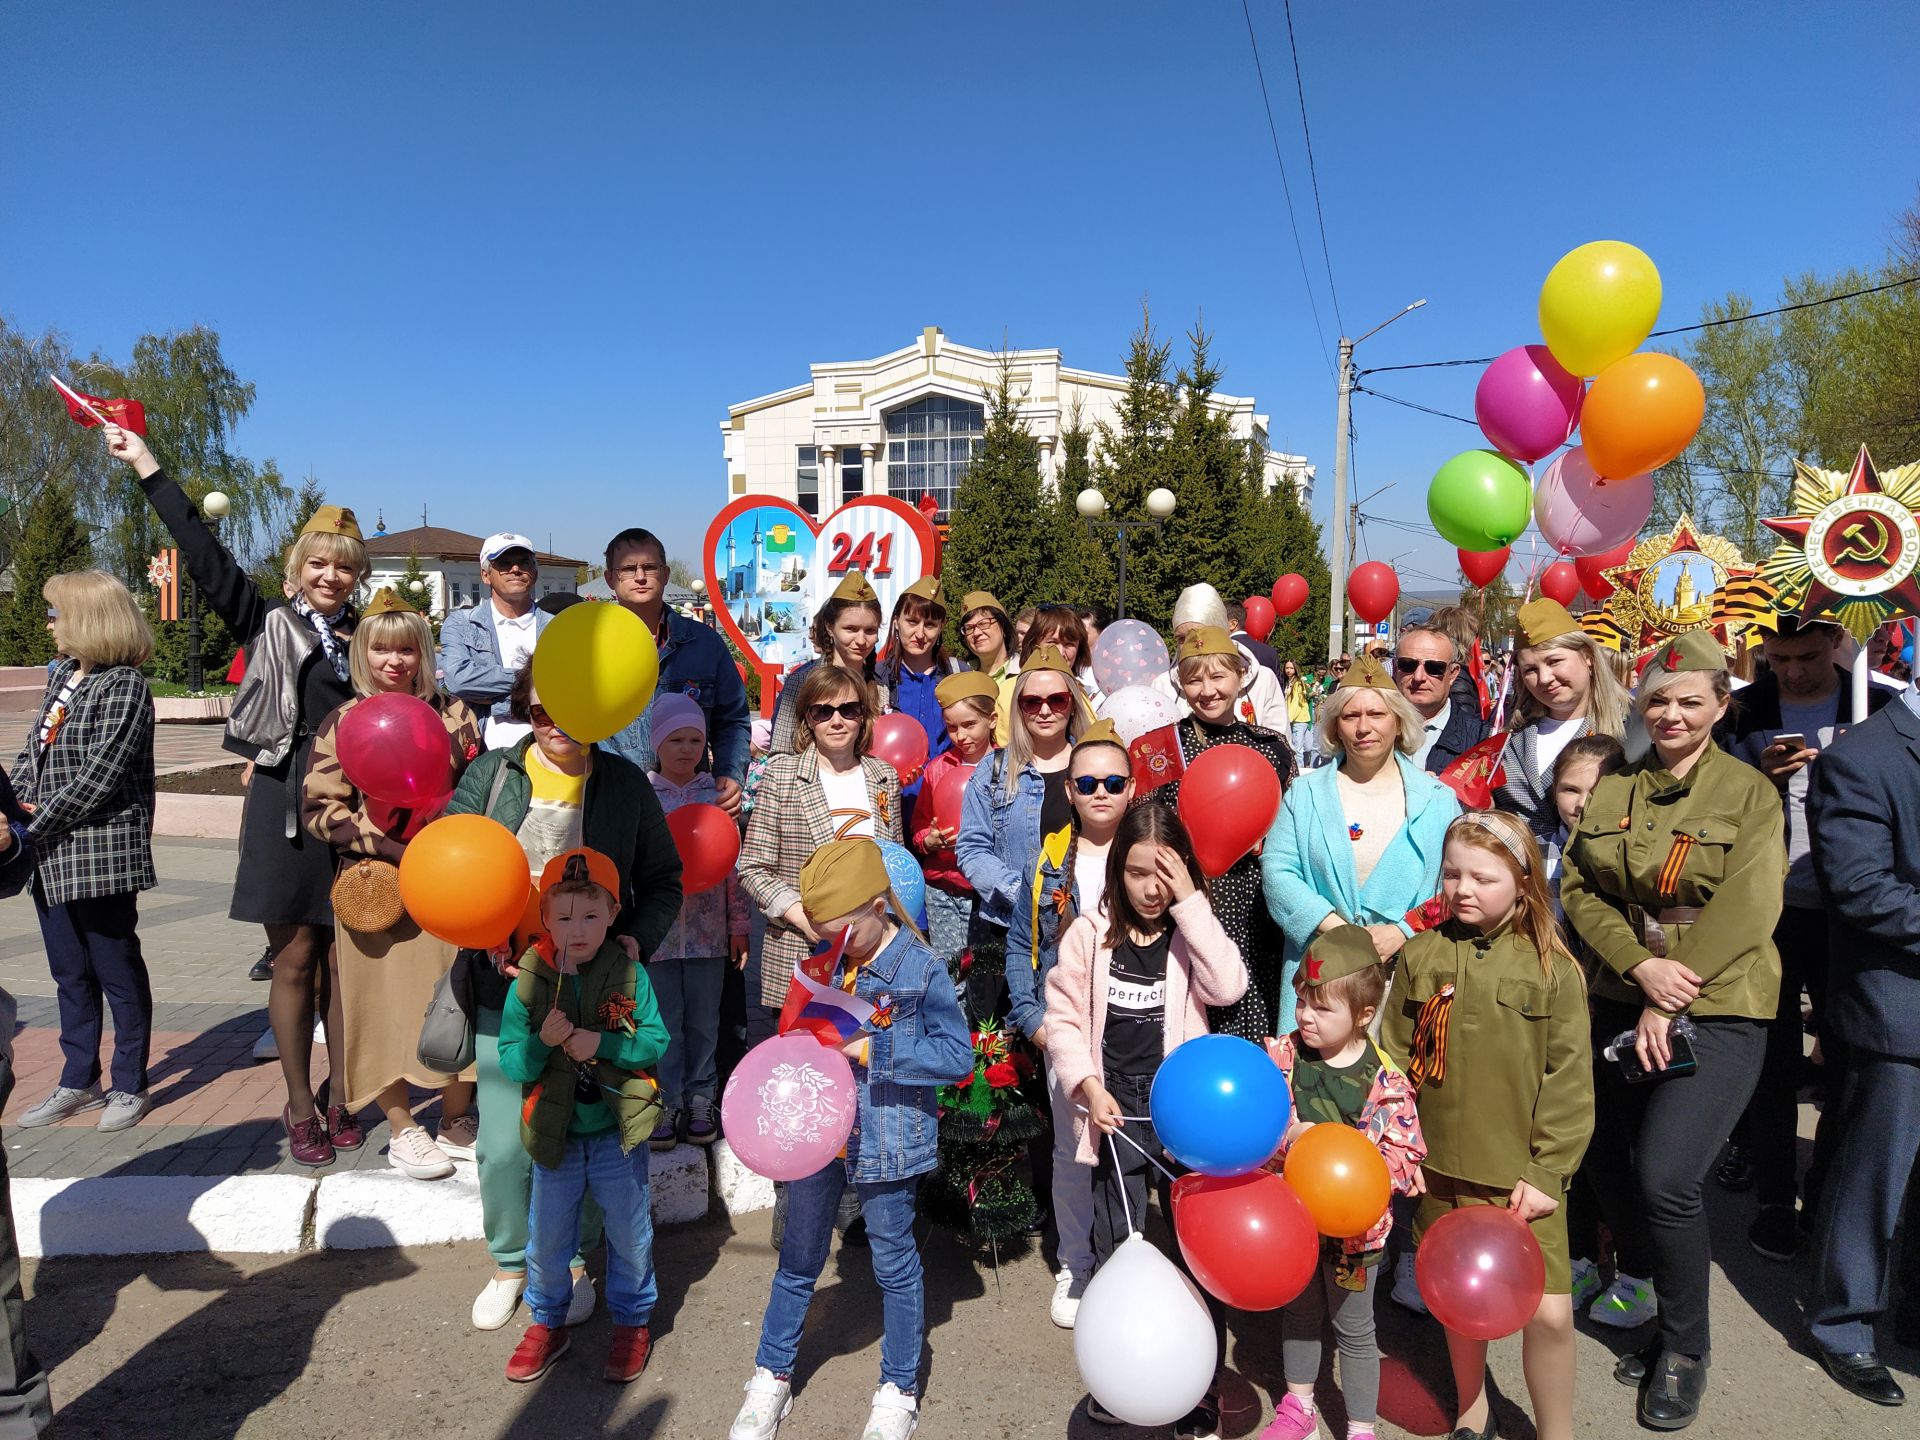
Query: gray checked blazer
91,789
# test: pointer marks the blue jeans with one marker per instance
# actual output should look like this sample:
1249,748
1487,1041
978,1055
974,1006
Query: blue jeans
93,949
592,1163
1303,743
888,1208
688,992
947,917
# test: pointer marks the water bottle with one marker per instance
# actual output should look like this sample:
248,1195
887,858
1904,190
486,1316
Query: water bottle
1622,1044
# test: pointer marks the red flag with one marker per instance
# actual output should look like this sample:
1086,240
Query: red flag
1477,670
87,410
1156,758
1478,773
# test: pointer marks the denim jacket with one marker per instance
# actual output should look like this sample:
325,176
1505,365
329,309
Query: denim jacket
696,663
1040,918
999,836
917,1042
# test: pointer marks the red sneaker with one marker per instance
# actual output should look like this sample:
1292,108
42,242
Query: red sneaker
535,1353
344,1129
627,1353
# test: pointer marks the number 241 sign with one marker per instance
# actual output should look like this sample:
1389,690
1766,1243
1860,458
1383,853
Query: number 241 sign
770,567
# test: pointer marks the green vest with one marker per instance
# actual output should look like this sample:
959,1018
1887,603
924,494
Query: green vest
632,1095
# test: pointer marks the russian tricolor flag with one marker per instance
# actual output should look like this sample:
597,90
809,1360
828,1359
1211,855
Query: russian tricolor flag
818,1006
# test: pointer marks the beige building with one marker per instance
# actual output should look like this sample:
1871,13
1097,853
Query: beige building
908,423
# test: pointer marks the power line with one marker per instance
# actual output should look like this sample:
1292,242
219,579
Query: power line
1677,329
1424,409
1312,173
1285,189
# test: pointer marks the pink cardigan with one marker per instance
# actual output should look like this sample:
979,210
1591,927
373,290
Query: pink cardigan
1203,968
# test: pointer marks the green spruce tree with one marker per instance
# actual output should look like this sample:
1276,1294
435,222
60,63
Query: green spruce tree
1079,565
52,541
415,587
994,542
1135,456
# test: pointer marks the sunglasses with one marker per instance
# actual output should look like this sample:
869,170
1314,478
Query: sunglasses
538,715
1435,668
1058,703
846,710
1090,784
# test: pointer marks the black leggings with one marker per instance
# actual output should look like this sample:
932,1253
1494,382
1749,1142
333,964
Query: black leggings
1654,1143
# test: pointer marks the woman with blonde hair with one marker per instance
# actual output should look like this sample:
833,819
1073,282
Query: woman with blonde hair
86,779
384,980
297,674
1567,690
1357,842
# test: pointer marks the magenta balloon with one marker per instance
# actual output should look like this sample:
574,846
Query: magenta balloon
1528,403
395,749
1581,514
1480,1271
789,1106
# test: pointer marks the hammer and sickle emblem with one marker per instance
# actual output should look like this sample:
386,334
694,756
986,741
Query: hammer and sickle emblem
1859,548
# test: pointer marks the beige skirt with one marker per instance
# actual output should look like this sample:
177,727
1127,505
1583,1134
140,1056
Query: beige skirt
386,983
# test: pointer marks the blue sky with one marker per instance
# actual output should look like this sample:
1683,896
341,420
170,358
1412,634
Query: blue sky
513,261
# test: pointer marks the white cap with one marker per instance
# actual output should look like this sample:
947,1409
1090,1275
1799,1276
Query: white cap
502,542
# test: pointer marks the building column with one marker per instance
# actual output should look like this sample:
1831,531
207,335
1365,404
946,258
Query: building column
870,459
1045,443
829,479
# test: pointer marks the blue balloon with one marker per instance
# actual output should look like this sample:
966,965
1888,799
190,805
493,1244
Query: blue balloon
909,883
1220,1105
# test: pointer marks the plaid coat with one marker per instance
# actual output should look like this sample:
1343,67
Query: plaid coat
91,788
790,821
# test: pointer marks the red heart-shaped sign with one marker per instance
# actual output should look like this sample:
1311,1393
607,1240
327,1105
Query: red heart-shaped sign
770,566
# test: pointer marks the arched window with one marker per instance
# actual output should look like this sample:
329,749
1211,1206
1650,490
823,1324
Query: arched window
930,443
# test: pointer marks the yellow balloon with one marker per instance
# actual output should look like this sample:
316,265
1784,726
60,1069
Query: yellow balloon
595,668
1599,302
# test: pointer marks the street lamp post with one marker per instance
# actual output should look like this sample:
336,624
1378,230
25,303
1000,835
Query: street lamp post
1343,411
1092,505
215,508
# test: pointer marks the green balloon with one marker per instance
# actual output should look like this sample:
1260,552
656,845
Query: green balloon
1480,500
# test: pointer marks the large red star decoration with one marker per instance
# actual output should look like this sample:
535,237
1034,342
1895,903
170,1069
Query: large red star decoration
1850,552
1638,618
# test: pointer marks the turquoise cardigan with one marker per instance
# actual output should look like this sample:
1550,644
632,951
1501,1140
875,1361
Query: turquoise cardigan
1307,865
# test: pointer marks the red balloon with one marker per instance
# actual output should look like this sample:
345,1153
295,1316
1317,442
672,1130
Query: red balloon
1228,801
1483,567
901,741
1247,1238
1289,593
1372,590
1480,1271
949,795
1260,616
1590,567
394,748
1561,582
708,842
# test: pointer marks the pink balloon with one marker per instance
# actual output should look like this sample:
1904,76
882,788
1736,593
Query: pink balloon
789,1106
1582,514
1480,1271
1527,403
395,748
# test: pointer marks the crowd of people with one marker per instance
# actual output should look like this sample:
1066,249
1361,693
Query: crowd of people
1583,1003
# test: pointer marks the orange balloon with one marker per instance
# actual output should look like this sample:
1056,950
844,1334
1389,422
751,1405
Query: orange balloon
1640,413
1339,1175
464,880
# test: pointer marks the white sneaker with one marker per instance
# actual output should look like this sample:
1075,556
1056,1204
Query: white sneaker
893,1416
1628,1304
1406,1286
413,1153
769,1398
266,1047
1066,1305
494,1306
580,1304
1587,1283
458,1137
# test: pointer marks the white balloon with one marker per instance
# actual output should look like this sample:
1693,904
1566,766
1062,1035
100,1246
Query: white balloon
1139,710
1143,1338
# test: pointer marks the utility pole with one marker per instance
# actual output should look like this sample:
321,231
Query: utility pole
1345,517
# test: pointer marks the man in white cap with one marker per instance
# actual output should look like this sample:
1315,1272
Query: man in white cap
485,644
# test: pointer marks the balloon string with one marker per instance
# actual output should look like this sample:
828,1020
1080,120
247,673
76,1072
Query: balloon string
1125,1208
1171,1177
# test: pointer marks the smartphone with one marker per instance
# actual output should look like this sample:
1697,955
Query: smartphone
1792,739
1680,1061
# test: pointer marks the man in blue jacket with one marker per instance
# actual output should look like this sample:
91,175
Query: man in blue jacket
694,661
1863,807
483,646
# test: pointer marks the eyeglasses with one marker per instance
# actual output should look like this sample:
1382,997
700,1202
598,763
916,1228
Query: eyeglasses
635,569
52,614
1058,703
979,627
1435,668
1088,784
846,710
539,716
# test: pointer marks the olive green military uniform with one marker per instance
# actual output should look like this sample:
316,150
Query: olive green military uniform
1516,1099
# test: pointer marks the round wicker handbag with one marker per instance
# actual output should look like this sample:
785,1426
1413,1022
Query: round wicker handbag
366,896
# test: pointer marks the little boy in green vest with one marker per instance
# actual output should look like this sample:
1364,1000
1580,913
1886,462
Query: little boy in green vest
578,1032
